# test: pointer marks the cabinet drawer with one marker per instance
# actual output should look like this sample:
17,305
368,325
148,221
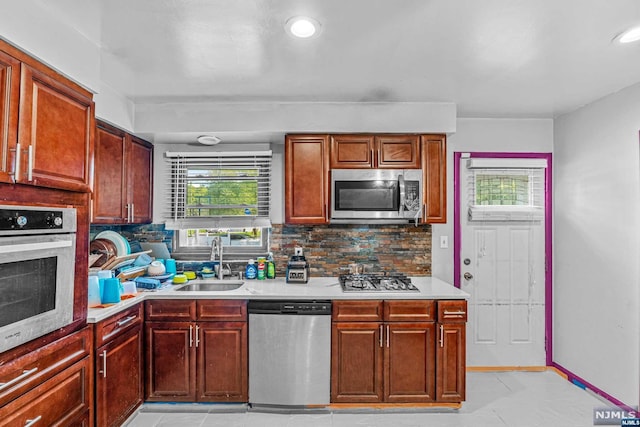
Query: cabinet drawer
61,400
221,310
357,311
118,324
452,311
22,374
171,309
410,311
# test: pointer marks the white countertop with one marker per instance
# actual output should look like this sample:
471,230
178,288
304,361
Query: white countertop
317,288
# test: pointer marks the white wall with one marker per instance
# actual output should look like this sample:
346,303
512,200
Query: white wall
491,135
596,244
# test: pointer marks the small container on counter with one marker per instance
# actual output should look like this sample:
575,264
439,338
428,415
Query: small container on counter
251,272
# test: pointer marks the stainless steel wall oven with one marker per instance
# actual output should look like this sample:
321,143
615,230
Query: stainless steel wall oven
37,264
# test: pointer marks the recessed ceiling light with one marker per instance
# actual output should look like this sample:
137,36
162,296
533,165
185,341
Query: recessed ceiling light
208,139
302,27
629,36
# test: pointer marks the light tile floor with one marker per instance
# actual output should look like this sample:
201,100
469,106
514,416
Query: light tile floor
494,399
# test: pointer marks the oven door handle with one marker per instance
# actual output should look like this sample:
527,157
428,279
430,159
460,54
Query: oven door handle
403,194
35,246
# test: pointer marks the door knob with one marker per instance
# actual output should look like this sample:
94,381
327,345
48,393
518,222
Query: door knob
468,276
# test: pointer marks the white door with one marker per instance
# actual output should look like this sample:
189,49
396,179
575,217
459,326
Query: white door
502,261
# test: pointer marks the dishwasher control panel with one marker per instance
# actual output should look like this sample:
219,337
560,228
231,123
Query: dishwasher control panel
290,307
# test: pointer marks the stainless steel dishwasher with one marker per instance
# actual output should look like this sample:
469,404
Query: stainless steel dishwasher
289,353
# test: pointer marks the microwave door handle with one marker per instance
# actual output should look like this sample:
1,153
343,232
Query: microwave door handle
403,194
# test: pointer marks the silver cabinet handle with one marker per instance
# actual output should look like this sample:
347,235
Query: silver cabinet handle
30,163
17,379
132,212
441,336
197,336
104,363
190,335
381,335
387,336
16,170
454,313
33,421
123,322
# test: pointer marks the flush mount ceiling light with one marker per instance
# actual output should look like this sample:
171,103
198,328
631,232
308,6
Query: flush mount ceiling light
208,139
302,27
629,36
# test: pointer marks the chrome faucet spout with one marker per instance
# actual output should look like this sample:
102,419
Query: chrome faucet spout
216,254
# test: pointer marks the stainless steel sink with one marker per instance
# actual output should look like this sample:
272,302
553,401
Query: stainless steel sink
213,285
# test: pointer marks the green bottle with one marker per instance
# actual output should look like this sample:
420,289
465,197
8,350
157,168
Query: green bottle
261,269
271,267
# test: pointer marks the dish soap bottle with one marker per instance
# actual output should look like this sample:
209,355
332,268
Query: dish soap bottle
271,267
251,271
261,269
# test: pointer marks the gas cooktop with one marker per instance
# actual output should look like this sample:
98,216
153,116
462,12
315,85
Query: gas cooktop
377,282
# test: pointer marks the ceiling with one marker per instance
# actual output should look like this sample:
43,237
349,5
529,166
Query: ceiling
492,58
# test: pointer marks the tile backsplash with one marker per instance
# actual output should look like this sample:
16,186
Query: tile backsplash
399,248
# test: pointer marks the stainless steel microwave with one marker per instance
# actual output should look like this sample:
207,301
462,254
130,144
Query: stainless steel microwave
37,264
376,196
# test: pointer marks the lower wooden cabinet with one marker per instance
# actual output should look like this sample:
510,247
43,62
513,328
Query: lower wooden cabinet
202,360
63,400
118,366
394,354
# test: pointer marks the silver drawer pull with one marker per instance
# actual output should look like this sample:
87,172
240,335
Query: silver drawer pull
33,421
123,322
17,379
454,313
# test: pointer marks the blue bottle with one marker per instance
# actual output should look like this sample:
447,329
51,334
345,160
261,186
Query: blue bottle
251,271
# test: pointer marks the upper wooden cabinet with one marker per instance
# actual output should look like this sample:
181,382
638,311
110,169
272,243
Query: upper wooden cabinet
46,125
375,151
9,104
310,158
306,179
434,167
123,177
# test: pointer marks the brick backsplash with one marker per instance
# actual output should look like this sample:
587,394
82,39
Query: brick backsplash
398,248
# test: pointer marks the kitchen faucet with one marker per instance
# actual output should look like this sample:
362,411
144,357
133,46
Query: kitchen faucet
216,254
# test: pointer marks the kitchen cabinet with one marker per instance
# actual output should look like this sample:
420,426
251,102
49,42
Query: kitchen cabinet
434,167
306,179
196,350
383,351
118,366
48,137
9,104
310,158
123,178
375,151
52,385
451,351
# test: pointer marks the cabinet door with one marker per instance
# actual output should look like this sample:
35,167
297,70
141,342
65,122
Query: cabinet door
409,363
140,181
57,130
306,179
9,98
352,152
434,167
356,362
398,152
222,362
451,363
170,362
109,187
119,379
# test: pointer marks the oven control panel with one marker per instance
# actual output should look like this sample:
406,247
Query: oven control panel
30,219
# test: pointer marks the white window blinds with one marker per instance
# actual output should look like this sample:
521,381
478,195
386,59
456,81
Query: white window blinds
505,189
222,189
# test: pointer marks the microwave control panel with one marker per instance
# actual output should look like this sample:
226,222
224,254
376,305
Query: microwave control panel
412,195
